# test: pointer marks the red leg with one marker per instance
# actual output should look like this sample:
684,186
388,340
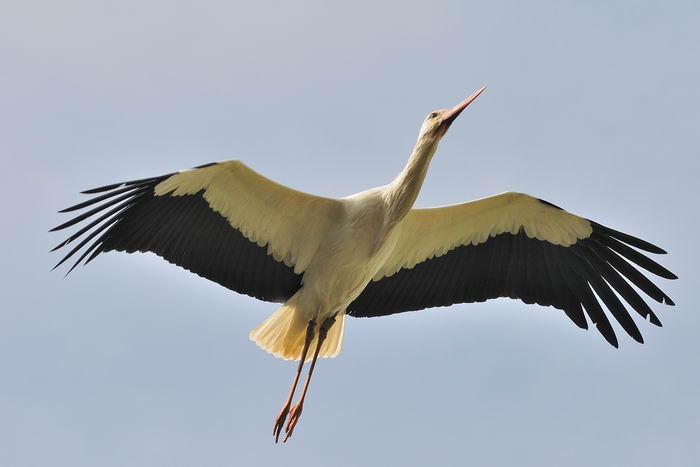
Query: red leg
295,412
279,422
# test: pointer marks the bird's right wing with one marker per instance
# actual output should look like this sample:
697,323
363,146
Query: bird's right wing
514,245
222,221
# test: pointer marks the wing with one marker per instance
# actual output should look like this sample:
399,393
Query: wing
222,221
514,245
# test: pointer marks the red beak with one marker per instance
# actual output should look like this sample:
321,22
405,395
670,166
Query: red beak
449,116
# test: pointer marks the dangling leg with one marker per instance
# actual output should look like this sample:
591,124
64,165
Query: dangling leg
279,422
295,412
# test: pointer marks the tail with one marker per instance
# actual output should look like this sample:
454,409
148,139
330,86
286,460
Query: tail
283,333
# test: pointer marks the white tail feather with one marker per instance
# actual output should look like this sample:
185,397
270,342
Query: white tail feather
283,334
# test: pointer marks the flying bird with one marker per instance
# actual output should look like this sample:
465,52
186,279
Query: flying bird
369,254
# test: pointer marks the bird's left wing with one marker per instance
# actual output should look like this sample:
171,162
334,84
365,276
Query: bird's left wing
514,245
222,221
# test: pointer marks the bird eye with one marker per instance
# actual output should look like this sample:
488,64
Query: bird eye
433,115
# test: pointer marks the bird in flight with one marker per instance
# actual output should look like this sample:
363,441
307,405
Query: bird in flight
369,254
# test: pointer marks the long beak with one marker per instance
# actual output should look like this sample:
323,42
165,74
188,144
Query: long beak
450,116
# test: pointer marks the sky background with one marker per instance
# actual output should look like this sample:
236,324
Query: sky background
594,106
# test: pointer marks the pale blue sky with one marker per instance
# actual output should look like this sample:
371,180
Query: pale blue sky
131,361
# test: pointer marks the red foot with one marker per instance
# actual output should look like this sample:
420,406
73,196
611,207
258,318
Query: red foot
279,422
294,415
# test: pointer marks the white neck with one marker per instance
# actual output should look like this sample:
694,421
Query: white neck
403,191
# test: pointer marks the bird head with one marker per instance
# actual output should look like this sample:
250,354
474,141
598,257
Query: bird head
437,122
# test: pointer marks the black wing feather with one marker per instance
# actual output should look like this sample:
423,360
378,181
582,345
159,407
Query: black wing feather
185,231
534,271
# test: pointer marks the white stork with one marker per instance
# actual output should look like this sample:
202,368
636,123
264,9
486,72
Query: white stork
369,254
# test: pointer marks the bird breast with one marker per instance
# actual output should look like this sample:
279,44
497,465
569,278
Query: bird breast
352,252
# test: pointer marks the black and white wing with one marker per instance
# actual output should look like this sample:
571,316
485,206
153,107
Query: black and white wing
514,245
222,221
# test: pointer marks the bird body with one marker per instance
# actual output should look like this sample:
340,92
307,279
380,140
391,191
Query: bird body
372,253
355,246
354,249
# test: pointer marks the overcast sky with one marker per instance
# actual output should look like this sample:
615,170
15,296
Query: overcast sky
131,361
